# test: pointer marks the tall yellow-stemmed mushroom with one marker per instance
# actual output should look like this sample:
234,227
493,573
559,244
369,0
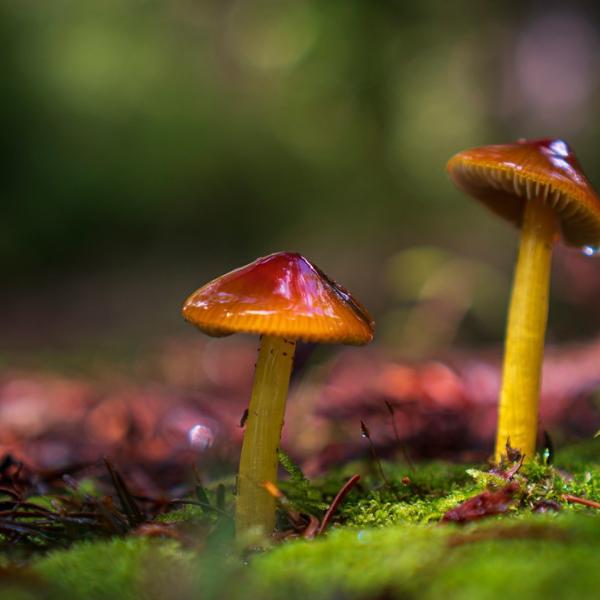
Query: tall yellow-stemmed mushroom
540,187
282,297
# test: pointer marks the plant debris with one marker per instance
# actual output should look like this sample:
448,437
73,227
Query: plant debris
306,525
583,501
41,511
344,491
483,505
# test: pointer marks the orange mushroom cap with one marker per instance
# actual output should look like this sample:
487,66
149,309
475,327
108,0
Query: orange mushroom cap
504,177
282,295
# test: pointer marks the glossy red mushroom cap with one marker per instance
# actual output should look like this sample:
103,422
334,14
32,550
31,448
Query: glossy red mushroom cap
504,177
283,295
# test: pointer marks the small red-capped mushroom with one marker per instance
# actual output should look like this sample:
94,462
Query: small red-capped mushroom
540,187
282,297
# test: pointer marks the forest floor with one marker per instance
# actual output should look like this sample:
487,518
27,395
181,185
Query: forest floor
435,529
155,520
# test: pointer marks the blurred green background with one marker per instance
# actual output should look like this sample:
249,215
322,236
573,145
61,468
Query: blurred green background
149,146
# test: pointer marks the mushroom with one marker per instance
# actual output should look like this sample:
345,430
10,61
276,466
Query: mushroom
538,186
282,297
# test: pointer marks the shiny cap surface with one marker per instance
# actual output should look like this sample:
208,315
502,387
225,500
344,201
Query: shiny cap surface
504,177
284,295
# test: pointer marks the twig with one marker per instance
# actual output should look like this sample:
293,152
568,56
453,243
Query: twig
402,445
337,501
576,500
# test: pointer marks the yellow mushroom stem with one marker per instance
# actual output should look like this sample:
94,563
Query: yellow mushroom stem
255,507
527,317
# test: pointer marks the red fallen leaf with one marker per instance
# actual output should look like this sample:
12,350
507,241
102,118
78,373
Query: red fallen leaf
483,505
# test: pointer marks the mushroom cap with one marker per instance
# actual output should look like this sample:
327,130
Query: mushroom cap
283,295
504,177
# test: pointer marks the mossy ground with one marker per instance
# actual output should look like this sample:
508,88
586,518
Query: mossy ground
387,543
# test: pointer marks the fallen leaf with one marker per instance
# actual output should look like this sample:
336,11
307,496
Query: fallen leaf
483,505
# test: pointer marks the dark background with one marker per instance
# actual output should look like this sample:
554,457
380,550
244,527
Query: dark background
149,146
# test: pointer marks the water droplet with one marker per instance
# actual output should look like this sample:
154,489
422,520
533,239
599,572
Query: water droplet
591,250
201,437
363,536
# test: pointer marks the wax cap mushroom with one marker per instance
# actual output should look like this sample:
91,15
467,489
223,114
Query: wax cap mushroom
504,177
284,298
282,295
539,186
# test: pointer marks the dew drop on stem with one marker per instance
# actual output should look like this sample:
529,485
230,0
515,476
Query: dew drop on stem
591,250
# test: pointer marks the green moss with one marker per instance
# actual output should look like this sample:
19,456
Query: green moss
351,562
431,477
579,456
376,513
188,512
520,568
386,539
303,495
538,557
130,568
15,591
419,497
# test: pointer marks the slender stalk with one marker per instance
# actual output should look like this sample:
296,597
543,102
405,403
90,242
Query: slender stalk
524,349
255,507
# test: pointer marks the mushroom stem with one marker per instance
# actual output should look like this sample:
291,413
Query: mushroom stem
524,348
255,507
